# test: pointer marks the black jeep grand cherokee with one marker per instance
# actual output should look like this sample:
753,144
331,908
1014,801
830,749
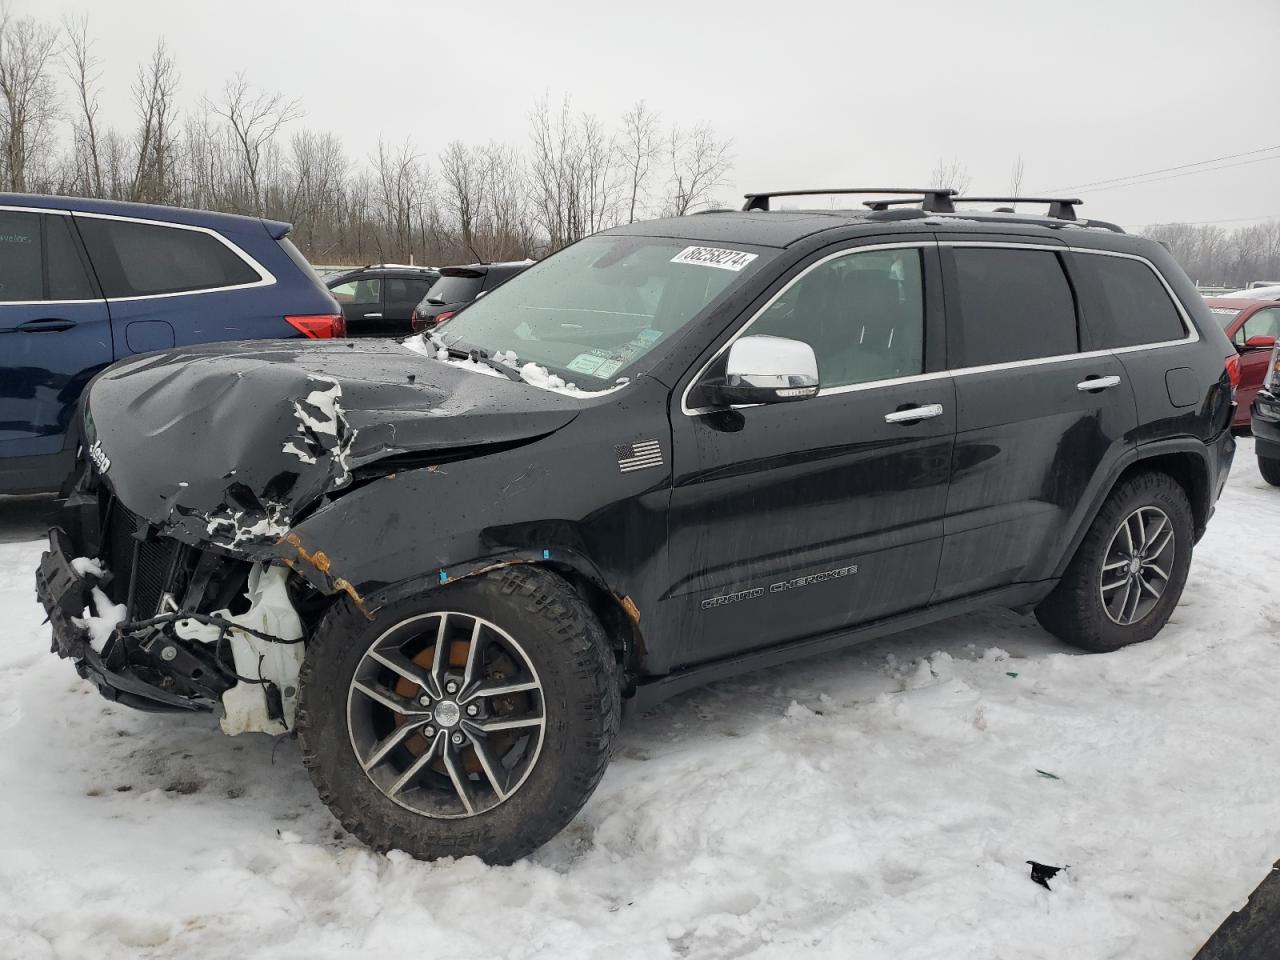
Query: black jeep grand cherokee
672,452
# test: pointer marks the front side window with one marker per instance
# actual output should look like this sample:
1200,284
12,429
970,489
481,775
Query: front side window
367,291
592,311
1264,323
40,259
145,259
1136,307
21,262
863,314
1013,305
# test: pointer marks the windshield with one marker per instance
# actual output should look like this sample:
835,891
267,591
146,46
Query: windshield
590,312
1224,315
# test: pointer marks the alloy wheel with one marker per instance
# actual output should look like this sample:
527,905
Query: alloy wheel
446,714
1137,565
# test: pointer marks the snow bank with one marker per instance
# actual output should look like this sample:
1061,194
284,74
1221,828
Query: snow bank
880,803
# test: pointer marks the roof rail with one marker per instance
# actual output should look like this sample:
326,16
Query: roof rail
932,199
1060,208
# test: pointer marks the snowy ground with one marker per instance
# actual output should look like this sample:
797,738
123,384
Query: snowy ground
879,803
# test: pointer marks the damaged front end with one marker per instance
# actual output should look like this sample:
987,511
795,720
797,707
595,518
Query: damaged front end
177,580
158,624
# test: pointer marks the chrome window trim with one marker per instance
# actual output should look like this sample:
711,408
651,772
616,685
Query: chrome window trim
266,277
1193,335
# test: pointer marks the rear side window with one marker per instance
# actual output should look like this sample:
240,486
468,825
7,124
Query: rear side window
40,259
1134,305
21,264
363,291
143,259
406,292
1014,305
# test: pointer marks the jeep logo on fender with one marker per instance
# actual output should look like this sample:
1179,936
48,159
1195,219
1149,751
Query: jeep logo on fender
100,459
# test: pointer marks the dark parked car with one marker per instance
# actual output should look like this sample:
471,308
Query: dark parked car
670,453
458,286
378,300
1253,327
86,282
1266,421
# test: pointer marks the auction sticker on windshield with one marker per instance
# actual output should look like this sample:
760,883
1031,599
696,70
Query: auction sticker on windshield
733,260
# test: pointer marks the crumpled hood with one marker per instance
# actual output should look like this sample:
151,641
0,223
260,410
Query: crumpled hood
228,442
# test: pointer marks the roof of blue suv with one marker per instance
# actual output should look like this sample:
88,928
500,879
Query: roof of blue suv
223,222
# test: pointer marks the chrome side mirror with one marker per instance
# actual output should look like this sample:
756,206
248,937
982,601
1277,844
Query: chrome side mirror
763,369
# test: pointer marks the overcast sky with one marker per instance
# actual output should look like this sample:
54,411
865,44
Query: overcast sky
835,93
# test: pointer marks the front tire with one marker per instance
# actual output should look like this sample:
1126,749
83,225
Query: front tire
1270,470
1128,573
475,719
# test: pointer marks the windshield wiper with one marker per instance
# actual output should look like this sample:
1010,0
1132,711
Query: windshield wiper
476,355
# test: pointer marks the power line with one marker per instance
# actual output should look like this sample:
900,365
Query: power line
1149,173
1187,173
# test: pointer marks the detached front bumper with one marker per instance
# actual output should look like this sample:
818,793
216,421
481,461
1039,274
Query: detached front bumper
65,594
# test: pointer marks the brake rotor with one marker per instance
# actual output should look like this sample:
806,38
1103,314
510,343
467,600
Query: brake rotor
417,744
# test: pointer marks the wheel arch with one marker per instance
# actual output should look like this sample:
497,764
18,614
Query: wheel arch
616,611
1183,459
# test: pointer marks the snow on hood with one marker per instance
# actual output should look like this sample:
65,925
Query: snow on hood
430,345
228,442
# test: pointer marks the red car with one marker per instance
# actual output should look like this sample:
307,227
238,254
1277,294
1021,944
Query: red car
1252,326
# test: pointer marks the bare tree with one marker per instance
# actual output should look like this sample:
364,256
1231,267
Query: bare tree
318,169
950,173
638,147
463,185
699,163
255,118
1015,180
155,144
82,70
28,97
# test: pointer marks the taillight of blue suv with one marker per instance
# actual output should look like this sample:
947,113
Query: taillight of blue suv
323,326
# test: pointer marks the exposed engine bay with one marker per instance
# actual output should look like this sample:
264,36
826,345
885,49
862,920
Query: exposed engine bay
186,628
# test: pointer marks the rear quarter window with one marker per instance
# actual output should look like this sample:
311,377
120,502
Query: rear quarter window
143,259
1129,305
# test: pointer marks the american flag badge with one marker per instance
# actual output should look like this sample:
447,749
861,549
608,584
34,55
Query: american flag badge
638,455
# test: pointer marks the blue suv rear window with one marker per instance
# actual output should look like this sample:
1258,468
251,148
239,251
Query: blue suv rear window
141,259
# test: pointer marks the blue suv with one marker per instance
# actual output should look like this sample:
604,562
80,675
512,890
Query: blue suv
84,283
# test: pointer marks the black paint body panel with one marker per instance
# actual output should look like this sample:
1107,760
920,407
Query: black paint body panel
848,526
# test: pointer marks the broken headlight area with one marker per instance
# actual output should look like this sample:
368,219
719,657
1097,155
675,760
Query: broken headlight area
187,628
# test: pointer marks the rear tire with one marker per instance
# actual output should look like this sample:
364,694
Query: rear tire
492,774
1270,470
1101,610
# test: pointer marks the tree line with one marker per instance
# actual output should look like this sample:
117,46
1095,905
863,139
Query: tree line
1215,256
245,150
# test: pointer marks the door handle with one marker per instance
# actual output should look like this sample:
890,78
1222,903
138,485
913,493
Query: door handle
1093,384
925,411
45,326
373,316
